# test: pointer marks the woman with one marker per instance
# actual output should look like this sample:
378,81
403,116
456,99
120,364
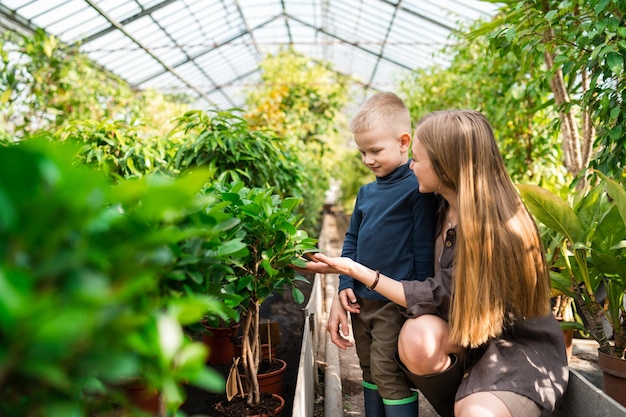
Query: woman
480,339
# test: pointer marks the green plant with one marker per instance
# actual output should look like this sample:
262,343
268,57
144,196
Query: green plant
269,227
82,304
120,149
224,142
303,101
45,84
582,46
204,263
510,90
592,227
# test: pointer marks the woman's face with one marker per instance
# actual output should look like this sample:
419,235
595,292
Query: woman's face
422,168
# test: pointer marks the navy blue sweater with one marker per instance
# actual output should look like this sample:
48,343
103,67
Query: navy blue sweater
391,230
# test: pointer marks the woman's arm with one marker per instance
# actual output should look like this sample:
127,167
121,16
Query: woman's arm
385,286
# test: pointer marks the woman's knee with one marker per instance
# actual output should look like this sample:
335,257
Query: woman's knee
422,343
481,404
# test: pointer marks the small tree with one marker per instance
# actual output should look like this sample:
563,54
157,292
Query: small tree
269,227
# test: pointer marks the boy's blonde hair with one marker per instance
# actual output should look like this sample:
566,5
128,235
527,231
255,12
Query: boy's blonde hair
385,110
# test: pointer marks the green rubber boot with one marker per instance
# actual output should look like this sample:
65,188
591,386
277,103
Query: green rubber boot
407,407
373,402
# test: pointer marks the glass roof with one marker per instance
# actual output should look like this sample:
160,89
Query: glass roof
210,49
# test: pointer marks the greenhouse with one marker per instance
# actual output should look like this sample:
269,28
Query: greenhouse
169,168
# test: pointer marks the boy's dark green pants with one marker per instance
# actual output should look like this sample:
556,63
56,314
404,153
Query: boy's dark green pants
376,331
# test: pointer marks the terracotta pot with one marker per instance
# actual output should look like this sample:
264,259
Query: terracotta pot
270,381
141,397
220,342
273,381
614,376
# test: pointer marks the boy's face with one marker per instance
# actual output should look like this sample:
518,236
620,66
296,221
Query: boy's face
382,151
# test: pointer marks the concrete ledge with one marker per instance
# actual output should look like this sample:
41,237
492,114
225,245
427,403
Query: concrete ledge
333,389
584,399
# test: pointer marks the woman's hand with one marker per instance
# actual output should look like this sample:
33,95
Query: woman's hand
331,265
323,264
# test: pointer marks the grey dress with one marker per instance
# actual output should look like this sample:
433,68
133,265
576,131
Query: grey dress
529,358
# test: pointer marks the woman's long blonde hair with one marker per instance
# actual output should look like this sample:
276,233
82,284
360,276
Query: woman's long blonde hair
500,270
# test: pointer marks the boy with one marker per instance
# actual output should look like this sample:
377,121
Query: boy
391,231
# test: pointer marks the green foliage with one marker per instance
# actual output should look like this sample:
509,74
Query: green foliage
302,101
120,149
299,99
350,184
514,96
204,262
82,304
224,142
45,84
588,41
591,227
269,226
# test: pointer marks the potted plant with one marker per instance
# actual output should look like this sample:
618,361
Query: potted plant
269,227
592,226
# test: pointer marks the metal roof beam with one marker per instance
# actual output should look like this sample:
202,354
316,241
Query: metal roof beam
13,21
247,27
213,47
138,43
355,44
384,42
288,28
124,22
421,16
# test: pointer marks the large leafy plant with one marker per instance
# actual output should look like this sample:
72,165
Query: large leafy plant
224,142
82,305
592,228
119,148
581,44
269,228
303,101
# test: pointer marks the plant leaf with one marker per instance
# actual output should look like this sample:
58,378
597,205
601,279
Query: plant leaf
552,211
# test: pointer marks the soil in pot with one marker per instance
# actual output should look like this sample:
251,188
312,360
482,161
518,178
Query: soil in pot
284,310
270,405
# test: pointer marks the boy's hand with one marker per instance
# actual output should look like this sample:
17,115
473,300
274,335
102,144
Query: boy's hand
348,301
337,325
